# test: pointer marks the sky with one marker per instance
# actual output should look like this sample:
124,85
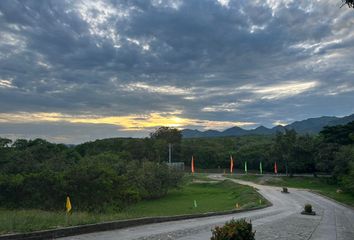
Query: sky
74,71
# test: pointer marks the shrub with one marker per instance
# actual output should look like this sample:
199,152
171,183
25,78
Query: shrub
234,230
308,208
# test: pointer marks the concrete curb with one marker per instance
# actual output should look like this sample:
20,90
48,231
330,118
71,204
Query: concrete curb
105,226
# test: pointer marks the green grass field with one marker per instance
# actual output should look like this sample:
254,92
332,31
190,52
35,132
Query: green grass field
319,184
210,197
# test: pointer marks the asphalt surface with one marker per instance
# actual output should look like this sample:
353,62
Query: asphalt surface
280,221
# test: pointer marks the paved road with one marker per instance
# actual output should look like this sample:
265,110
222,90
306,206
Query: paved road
280,221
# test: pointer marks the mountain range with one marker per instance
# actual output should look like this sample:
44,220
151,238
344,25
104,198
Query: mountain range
310,126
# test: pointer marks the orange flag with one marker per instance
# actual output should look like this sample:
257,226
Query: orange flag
275,168
231,164
192,164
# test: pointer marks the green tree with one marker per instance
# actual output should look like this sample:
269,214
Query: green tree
170,135
284,143
164,136
342,160
324,156
4,142
302,155
20,144
340,134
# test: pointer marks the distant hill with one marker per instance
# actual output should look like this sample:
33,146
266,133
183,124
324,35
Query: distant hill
310,126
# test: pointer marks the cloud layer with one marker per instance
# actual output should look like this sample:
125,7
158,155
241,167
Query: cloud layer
121,68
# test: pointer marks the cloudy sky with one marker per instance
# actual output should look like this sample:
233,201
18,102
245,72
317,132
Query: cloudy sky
72,71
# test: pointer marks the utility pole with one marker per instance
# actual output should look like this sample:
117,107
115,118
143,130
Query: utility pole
169,152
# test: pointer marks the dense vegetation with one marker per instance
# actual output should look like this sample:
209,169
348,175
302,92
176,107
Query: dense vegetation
210,196
330,152
39,174
113,173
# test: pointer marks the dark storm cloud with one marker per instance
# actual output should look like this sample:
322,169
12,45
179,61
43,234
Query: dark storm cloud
245,61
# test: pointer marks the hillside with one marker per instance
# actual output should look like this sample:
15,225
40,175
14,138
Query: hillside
310,126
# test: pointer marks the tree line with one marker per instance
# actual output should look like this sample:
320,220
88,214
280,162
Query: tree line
116,172
330,152
39,174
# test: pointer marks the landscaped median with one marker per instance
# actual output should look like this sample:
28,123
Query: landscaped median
319,185
197,197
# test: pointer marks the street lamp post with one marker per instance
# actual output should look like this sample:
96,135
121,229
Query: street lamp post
169,153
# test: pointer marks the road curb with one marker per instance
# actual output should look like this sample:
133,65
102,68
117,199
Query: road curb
105,226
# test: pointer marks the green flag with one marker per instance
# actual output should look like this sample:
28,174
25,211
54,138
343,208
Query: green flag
260,168
246,167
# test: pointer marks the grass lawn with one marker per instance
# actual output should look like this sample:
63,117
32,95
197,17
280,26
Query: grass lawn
319,184
210,196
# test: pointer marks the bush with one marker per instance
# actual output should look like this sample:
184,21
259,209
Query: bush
234,230
308,208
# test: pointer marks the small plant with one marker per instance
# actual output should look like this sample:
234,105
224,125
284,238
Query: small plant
285,190
234,230
308,208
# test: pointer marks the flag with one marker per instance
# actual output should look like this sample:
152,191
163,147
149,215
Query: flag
68,204
275,168
231,164
192,165
246,167
260,168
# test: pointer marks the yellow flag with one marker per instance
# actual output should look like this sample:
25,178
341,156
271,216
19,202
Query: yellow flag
68,204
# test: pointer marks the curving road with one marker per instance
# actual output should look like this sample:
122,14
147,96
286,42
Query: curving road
280,221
